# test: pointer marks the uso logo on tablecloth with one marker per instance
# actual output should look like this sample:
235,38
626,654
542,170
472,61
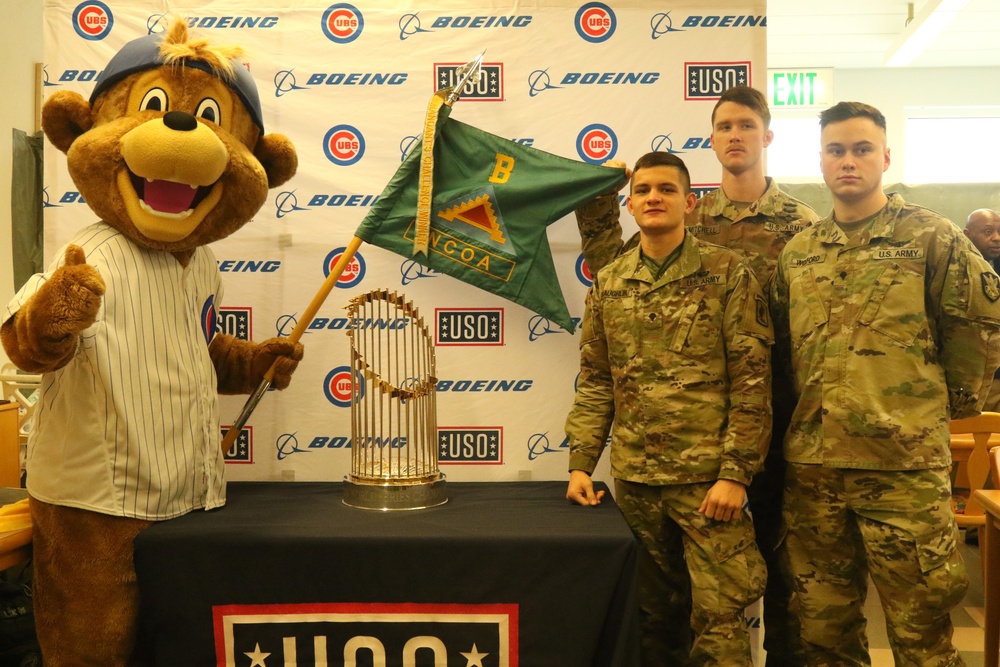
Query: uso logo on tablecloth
93,20
338,386
596,143
208,319
342,23
595,22
344,145
353,273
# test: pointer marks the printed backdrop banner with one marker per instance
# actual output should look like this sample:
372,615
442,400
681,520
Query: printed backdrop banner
349,84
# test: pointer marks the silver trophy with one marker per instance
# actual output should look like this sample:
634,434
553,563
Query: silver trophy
394,461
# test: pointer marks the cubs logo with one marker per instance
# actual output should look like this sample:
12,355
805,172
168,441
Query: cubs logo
208,319
596,143
583,273
342,23
344,145
354,271
595,22
93,20
339,386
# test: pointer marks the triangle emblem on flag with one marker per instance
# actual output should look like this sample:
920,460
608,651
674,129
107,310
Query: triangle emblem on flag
477,210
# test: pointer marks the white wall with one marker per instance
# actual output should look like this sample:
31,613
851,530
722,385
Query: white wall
20,49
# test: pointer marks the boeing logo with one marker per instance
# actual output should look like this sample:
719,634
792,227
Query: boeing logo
158,23
249,266
661,24
539,80
539,326
663,143
287,202
285,81
409,24
410,271
538,444
715,21
287,444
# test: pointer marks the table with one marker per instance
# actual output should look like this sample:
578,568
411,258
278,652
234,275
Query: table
990,500
503,574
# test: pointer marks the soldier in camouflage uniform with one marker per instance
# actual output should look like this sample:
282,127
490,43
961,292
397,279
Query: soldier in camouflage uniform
750,215
893,324
675,354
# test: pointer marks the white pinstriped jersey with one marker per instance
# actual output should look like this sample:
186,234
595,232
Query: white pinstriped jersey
130,426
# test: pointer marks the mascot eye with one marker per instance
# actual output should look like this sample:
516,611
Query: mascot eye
209,110
154,100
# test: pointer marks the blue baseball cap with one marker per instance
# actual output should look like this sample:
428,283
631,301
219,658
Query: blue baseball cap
144,53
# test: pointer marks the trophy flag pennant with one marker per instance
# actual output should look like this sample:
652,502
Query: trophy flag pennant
487,202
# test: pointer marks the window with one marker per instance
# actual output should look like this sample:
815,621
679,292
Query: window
952,145
793,156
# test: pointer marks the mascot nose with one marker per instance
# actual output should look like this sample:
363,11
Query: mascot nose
181,121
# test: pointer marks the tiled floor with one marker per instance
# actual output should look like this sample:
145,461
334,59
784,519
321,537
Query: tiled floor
968,619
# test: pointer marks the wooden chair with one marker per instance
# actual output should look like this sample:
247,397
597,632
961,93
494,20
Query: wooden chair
970,443
991,572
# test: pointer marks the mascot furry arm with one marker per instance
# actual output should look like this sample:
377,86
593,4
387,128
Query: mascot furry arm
170,153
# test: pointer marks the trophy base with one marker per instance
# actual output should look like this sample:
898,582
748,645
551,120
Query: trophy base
398,496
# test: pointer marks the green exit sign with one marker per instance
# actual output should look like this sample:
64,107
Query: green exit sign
800,88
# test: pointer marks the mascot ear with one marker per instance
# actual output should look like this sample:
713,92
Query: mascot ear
277,154
65,116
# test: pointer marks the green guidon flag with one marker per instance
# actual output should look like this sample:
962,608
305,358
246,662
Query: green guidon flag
487,204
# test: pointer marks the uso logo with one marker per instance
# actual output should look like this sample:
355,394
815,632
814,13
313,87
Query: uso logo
583,273
338,386
342,23
344,145
595,22
596,143
208,321
353,273
92,20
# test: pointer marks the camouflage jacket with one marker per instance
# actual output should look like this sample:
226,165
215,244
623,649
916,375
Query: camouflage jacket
679,365
758,233
891,334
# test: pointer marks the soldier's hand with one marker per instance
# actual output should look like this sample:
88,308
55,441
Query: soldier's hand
581,489
618,164
724,501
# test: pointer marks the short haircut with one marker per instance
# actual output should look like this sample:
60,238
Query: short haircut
842,111
748,97
663,159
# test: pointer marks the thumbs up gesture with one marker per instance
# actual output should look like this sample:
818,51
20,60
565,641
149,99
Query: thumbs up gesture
42,335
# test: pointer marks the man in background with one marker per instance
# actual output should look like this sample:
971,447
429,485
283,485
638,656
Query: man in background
983,229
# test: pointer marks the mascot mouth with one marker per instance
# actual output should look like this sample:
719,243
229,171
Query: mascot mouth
167,198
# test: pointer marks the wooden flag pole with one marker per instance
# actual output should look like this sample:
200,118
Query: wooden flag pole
300,327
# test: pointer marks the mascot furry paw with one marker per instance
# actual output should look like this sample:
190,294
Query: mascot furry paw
170,153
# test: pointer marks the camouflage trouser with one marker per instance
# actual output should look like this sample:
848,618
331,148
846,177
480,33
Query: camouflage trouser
896,526
696,576
781,621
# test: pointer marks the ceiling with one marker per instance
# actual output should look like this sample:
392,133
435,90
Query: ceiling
857,33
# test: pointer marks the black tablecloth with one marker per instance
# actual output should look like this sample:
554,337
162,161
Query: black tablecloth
504,574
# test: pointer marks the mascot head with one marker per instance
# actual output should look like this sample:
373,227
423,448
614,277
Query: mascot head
170,149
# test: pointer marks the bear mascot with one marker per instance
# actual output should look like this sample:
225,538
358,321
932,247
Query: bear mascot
170,154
